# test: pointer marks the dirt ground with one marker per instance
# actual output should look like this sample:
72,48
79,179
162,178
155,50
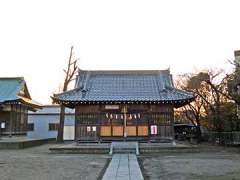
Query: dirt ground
38,164
221,164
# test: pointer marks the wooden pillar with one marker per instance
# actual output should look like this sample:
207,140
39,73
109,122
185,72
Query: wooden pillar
149,124
136,126
25,117
11,120
111,124
172,124
125,120
21,125
98,118
75,125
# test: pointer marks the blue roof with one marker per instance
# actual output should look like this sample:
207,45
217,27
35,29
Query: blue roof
10,87
14,89
147,85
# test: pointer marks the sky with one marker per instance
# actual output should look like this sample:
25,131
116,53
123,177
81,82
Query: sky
36,36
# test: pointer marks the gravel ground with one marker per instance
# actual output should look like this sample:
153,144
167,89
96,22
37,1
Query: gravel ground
38,164
219,165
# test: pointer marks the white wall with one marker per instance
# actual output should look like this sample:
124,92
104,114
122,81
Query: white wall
41,125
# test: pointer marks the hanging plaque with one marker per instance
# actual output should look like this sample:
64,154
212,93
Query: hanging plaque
112,107
153,129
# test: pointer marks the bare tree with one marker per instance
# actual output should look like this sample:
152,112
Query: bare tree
194,111
212,89
211,92
70,72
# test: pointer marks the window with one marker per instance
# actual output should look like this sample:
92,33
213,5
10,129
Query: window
30,127
53,126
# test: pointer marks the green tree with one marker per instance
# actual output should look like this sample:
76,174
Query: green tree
229,115
233,81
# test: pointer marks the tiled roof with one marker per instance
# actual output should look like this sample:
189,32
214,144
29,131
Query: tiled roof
124,86
10,87
14,89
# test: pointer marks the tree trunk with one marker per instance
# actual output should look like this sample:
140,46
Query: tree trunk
218,119
70,72
198,133
61,125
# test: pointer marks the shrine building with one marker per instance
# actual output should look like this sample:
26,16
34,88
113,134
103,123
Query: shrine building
124,105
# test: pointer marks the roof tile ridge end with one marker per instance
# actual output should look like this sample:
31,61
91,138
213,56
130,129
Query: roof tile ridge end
69,91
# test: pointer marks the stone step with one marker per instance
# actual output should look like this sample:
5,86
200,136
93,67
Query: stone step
124,147
124,150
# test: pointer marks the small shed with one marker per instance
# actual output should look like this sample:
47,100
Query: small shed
15,102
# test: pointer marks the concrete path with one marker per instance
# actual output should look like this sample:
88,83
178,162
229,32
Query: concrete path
123,167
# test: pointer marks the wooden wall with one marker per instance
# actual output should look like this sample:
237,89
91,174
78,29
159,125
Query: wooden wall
91,116
15,119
